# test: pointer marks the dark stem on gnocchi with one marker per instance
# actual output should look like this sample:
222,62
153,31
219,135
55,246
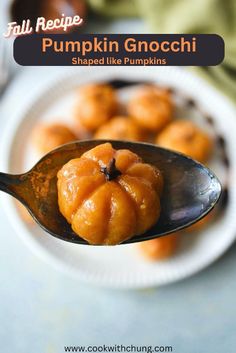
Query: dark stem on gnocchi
111,172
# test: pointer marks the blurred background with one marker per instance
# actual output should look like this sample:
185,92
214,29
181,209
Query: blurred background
42,309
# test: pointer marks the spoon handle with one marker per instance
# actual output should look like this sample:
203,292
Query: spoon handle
10,183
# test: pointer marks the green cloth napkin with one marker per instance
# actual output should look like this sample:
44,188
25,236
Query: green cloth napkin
186,16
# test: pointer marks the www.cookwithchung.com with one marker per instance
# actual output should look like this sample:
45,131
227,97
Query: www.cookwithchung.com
119,348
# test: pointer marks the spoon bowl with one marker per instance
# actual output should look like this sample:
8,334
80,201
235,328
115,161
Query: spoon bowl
191,190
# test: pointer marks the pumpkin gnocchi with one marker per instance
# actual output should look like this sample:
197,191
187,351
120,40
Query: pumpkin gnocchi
97,191
185,137
151,108
159,248
95,105
120,128
49,136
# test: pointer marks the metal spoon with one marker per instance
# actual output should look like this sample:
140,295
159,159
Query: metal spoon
190,189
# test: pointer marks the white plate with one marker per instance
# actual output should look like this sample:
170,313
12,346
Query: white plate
42,93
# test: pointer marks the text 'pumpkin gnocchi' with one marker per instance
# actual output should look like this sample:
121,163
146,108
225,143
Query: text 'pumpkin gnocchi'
109,195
